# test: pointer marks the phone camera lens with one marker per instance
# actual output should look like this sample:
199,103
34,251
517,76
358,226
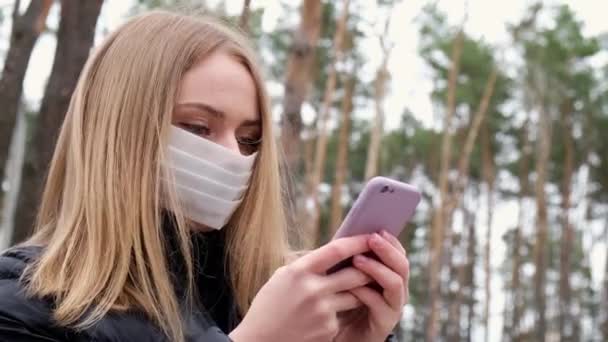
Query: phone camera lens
384,189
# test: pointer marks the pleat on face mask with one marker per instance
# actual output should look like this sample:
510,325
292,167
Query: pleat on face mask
204,208
209,179
178,158
204,149
191,180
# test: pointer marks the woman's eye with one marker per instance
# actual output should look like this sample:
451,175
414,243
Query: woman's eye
197,129
249,140
249,145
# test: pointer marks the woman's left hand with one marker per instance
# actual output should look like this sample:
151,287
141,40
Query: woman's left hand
382,310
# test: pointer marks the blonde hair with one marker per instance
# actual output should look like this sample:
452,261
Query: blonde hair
100,215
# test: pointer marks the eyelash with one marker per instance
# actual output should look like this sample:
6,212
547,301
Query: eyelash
249,142
195,129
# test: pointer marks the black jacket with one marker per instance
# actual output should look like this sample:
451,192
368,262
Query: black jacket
29,319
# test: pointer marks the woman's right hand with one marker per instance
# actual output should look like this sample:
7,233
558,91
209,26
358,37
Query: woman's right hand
300,302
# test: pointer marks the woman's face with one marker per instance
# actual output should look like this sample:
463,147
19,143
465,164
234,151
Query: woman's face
218,101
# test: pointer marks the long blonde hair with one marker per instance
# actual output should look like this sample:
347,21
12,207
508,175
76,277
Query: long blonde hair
100,215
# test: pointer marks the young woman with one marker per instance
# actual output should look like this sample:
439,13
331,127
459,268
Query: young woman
161,217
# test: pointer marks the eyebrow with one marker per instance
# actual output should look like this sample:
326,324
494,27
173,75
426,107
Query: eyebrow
204,107
215,112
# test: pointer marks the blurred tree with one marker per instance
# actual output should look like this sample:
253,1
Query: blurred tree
380,83
244,17
558,83
540,247
512,325
342,154
537,86
479,89
298,79
439,220
143,5
577,82
26,28
458,196
409,147
489,177
74,41
604,300
598,146
313,227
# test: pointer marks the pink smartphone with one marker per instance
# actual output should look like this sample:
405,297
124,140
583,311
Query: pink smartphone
384,204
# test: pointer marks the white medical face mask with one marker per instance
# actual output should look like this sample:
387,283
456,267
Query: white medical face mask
209,179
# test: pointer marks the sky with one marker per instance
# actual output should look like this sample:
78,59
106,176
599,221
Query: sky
410,84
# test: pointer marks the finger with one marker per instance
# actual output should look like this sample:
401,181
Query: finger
345,279
393,241
345,301
378,308
295,255
406,290
406,285
389,255
321,259
390,281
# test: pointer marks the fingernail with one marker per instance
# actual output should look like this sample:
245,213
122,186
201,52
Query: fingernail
377,240
385,234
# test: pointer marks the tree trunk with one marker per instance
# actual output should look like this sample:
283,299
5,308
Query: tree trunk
458,193
604,303
540,247
244,18
453,326
342,157
74,40
298,80
458,272
446,292
516,293
487,157
25,31
566,328
440,214
321,146
464,274
470,274
309,147
465,157
511,326
382,75
297,83
13,176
